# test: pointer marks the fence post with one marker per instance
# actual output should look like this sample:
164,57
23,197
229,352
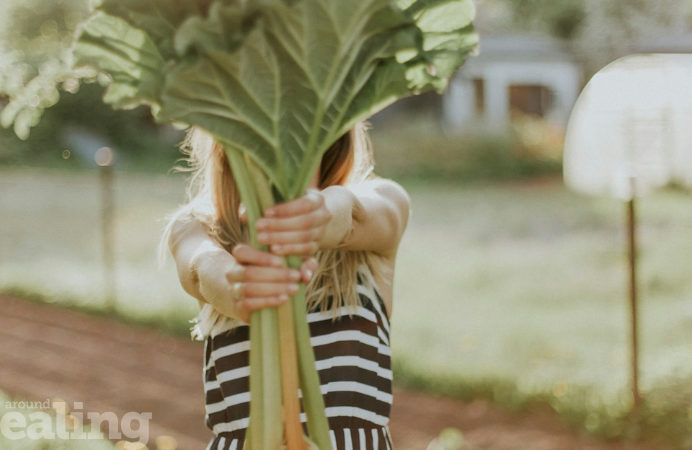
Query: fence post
105,158
634,339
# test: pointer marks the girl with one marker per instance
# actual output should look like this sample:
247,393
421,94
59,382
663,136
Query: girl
348,228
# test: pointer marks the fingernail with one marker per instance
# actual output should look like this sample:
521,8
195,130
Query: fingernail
295,275
308,274
276,261
282,299
269,213
277,248
261,225
293,288
263,237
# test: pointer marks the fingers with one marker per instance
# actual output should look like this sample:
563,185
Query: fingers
254,304
248,255
295,227
264,274
312,219
245,307
310,202
242,213
290,237
308,269
255,290
304,243
306,249
261,275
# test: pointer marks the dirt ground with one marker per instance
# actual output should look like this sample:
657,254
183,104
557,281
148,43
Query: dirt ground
47,352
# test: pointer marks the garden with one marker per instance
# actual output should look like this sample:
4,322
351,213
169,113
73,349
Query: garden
510,289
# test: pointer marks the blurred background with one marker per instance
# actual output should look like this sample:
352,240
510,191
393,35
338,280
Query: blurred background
510,289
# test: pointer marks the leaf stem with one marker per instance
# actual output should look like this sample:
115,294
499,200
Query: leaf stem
286,329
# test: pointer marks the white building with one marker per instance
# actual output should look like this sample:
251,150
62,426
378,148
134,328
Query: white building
531,75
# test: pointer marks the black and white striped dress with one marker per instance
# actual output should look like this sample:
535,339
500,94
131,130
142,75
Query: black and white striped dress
353,360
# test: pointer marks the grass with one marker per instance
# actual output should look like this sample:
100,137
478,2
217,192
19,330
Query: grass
513,291
51,246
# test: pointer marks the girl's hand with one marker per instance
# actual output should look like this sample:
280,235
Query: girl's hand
258,280
295,227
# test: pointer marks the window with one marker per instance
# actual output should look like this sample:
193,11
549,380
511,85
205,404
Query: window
479,93
531,99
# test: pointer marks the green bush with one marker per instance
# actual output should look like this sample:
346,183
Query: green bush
665,415
139,143
422,149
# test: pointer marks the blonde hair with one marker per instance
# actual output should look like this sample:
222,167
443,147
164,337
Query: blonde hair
213,200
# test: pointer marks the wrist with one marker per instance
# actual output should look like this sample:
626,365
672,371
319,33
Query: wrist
340,202
204,257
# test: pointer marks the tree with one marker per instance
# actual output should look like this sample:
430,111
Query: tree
614,28
597,31
35,59
560,18
36,73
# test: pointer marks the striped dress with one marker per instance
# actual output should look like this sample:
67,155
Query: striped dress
353,360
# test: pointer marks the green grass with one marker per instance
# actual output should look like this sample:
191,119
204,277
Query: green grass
51,245
514,291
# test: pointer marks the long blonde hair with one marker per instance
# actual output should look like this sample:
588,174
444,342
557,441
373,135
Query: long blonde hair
213,200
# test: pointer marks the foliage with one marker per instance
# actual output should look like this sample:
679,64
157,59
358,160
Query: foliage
419,149
665,415
562,18
139,143
36,61
35,71
316,82
597,31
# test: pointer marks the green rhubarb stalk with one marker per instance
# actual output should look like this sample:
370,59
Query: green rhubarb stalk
287,338
271,344
265,428
271,375
313,402
289,380
254,430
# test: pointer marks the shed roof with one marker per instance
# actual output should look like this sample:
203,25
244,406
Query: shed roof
521,48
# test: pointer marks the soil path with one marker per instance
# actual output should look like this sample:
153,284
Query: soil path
47,352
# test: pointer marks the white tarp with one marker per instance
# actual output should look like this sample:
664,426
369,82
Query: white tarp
632,127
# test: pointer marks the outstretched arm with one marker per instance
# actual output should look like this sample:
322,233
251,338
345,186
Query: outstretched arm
208,272
370,216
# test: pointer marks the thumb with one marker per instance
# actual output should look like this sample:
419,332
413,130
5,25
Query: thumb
242,214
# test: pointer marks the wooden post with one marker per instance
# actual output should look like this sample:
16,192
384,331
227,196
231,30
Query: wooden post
634,341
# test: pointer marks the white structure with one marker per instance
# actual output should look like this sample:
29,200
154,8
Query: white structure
630,132
531,75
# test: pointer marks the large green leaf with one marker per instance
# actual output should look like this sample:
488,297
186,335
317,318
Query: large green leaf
127,55
280,80
160,19
284,94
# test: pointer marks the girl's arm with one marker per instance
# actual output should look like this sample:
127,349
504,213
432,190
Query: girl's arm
190,244
208,272
370,216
